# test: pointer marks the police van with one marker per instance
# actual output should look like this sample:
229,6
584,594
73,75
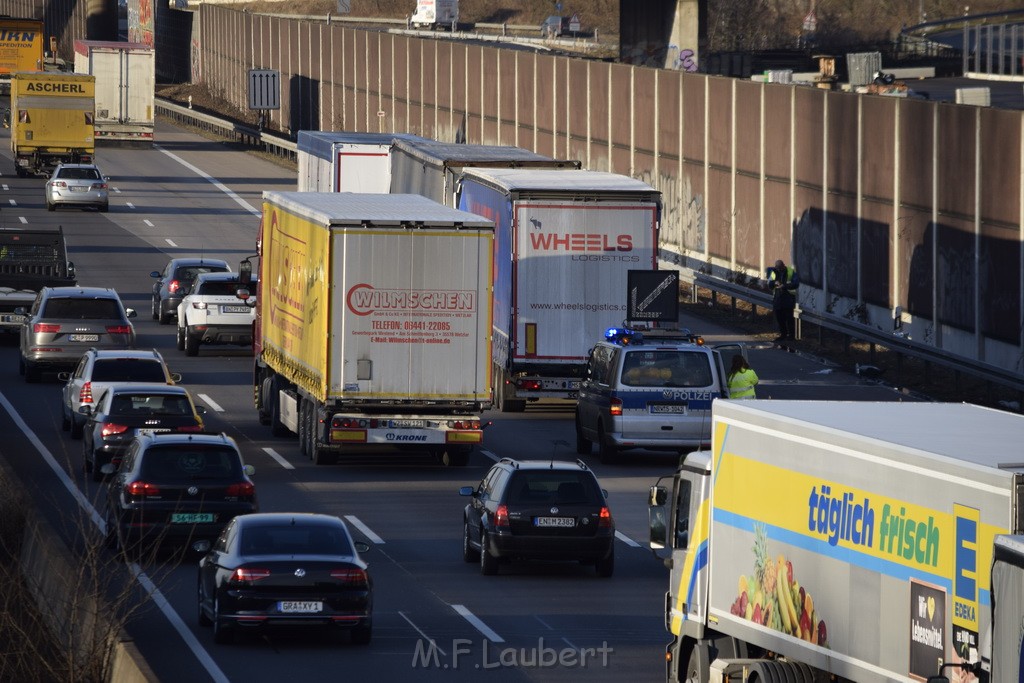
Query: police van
650,389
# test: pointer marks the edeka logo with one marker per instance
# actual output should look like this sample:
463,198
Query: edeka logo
364,299
585,242
965,580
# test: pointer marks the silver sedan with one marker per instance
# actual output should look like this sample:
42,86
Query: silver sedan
77,185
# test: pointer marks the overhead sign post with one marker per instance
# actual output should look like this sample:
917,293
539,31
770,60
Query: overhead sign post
653,295
264,91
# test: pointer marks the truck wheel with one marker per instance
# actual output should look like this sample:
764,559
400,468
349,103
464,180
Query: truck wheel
304,440
453,456
609,451
583,445
260,393
505,396
191,344
698,667
322,456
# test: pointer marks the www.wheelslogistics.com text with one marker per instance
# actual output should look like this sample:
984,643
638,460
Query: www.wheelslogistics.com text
463,653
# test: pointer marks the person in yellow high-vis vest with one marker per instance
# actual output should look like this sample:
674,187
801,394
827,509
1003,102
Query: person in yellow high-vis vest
742,379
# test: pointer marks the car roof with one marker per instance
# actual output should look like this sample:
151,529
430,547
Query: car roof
82,292
135,388
286,519
198,261
202,439
558,465
62,165
147,354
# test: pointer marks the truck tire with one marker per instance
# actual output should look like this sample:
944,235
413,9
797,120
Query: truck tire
504,395
698,666
453,456
304,425
260,393
584,446
609,451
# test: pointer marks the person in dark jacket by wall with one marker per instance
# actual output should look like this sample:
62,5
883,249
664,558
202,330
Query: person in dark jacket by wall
783,281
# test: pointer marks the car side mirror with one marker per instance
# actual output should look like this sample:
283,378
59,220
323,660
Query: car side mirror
361,546
64,376
201,410
85,410
249,470
71,270
155,273
243,293
202,546
245,272
108,468
175,377
467,491
131,312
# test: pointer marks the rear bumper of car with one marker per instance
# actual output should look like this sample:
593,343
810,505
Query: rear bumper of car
64,357
223,333
91,198
352,609
153,525
587,549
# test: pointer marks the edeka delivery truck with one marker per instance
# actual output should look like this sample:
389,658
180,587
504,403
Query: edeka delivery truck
564,244
373,324
339,161
842,538
125,79
21,48
51,120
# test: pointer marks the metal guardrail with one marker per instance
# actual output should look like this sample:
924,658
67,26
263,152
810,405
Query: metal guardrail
856,330
250,135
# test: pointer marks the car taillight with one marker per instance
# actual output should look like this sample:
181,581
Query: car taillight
173,286
244,489
501,516
59,183
85,393
530,385
140,489
111,428
190,428
45,328
604,520
464,424
352,576
248,575
616,407
201,305
119,329
99,186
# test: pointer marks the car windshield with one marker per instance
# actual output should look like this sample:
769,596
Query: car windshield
218,288
126,405
127,370
81,308
189,273
553,487
308,539
78,174
666,368
183,462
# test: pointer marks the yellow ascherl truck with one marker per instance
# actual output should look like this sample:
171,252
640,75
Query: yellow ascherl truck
52,116
21,48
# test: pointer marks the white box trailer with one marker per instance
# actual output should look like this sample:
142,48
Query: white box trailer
436,14
565,242
432,168
374,330
339,161
125,89
851,539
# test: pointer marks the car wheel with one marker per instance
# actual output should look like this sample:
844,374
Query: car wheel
181,339
608,450
222,633
203,619
191,344
469,554
113,539
104,208
77,428
155,308
363,634
21,365
50,206
583,445
488,562
65,421
32,373
606,565
97,473
164,318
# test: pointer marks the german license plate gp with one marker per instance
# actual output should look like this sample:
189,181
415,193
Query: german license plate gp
668,410
407,424
235,309
300,607
191,517
555,521
11,318
78,188
83,337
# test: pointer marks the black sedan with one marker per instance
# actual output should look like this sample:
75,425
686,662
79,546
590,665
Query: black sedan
124,408
285,569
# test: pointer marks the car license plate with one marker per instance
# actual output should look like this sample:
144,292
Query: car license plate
573,394
668,410
12,318
300,607
83,337
555,521
191,517
408,424
235,309
75,188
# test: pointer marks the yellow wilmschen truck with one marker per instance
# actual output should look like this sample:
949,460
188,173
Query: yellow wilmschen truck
52,118
21,48
864,541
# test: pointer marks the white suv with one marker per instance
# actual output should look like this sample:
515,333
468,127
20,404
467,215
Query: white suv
213,313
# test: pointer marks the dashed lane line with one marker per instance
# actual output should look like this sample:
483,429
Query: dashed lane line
357,523
478,624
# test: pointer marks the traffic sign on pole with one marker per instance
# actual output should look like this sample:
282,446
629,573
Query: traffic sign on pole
653,295
264,89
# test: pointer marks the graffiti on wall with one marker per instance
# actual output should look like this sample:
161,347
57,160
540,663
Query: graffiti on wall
660,56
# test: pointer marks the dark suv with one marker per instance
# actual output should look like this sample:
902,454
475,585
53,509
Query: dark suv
175,280
177,488
538,510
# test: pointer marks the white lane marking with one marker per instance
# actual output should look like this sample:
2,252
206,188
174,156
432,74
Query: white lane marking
357,523
219,185
148,222
23,219
210,402
6,187
117,190
13,203
129,205
626,539
480,625
170,242
548,627
279,458
490,455
433,643
158,598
